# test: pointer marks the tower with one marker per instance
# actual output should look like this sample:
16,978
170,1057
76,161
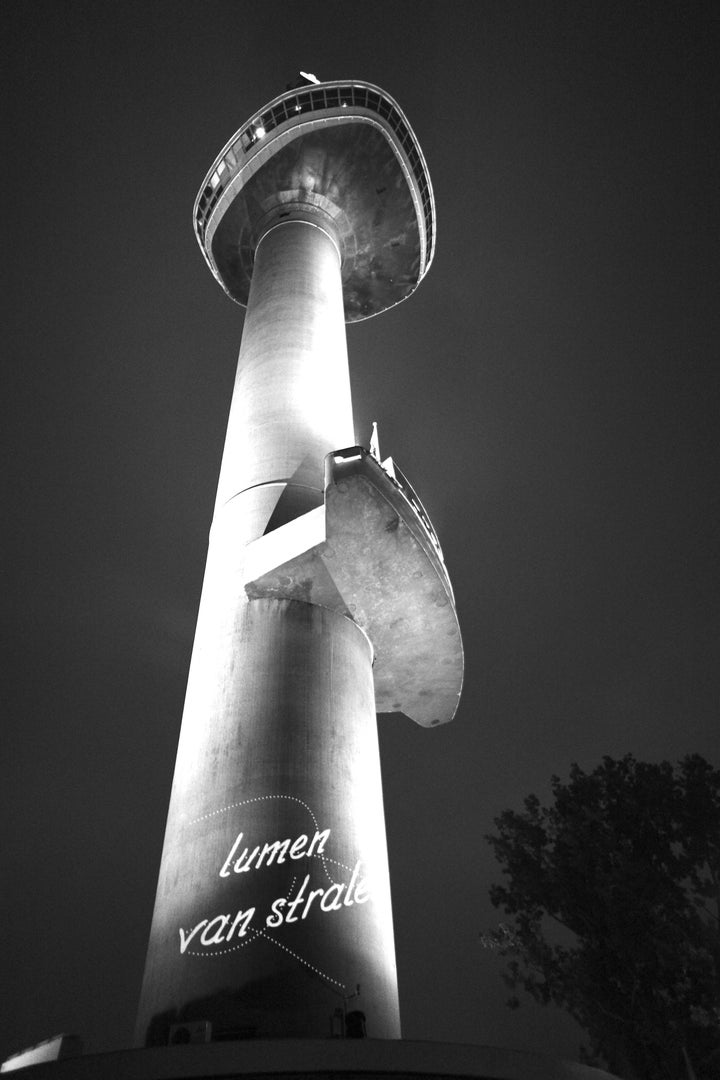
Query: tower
325,599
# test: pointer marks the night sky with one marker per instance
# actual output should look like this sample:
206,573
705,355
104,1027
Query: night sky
550,391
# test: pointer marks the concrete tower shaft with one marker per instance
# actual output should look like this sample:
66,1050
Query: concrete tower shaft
325,596
291,404
273,898
279,738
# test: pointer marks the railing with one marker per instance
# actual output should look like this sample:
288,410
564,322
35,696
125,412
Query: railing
304,101
412,497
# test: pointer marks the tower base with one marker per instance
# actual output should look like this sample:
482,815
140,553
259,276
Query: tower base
333,1059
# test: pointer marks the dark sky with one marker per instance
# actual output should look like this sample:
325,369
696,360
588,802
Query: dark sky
550,391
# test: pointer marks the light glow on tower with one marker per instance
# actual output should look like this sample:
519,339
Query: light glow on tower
325,601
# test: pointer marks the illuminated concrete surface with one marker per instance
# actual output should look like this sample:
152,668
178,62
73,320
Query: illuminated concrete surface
279,736
273,914
55,1048
345,1059
291,402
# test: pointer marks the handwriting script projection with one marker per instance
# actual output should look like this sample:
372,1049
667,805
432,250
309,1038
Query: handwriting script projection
228,928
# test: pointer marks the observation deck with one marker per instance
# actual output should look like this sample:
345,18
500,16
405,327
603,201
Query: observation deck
338,153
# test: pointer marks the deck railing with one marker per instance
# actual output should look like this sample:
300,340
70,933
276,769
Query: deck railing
295,103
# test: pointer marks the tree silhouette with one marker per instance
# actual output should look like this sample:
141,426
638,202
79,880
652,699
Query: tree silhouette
614,893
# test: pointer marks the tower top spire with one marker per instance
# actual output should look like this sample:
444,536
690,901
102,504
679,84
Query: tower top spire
341,154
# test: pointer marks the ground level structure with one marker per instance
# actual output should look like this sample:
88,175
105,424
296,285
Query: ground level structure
330,1059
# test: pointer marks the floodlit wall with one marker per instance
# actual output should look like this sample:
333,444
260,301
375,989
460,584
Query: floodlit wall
273,901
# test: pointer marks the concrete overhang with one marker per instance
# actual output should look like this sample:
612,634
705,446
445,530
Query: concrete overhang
344,152
371,554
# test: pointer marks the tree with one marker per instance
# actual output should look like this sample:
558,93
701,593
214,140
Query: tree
614,894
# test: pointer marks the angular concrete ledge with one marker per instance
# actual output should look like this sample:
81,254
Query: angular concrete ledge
371,553
344,1059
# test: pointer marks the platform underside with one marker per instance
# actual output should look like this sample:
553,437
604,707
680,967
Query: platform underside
345,169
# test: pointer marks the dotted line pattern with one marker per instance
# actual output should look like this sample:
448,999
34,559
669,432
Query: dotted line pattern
291,798
340,864
245,802
300,959
223,952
